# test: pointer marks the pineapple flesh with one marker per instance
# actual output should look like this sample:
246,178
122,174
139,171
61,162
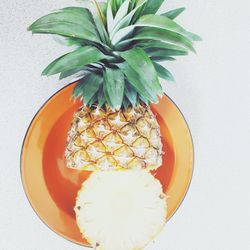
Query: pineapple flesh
121,210
103,139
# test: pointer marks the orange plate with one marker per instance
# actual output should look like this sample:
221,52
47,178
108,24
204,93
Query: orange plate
52,188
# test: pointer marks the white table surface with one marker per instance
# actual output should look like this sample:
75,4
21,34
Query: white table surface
212,89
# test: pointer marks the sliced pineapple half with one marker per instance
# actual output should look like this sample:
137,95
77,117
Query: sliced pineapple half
121,210
114,140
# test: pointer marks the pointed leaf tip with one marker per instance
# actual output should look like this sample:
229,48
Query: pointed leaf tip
78,58
172,14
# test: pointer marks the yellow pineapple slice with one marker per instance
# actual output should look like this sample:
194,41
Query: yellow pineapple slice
121,210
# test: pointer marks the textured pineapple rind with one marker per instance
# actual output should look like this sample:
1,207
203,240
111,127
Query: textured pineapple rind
140,174
101,140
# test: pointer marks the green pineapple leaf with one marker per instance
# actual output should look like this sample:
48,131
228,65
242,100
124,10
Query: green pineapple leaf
75,59
110,18
101,97
163,28
68,73
162,22
100,22
126,103
152,6
93,100
162,35
132,5
126,21
162,58
87,87
143,88
161,45
122,34
101,9
131,94
122,12
68,41
194,37
83,69
116,49
172,14
70,22
113,5
137,59
163,72
114,84
158,52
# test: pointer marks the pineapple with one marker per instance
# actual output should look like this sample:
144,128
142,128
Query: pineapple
116,54
113,215
115,57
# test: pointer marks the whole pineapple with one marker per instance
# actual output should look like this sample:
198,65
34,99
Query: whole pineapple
116,56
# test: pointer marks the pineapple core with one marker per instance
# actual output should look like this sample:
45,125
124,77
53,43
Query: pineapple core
122,210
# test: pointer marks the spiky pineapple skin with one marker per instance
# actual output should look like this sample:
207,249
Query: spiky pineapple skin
104,139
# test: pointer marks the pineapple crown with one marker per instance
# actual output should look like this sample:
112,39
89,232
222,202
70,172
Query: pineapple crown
117,51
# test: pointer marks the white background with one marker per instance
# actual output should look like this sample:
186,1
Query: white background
212,89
